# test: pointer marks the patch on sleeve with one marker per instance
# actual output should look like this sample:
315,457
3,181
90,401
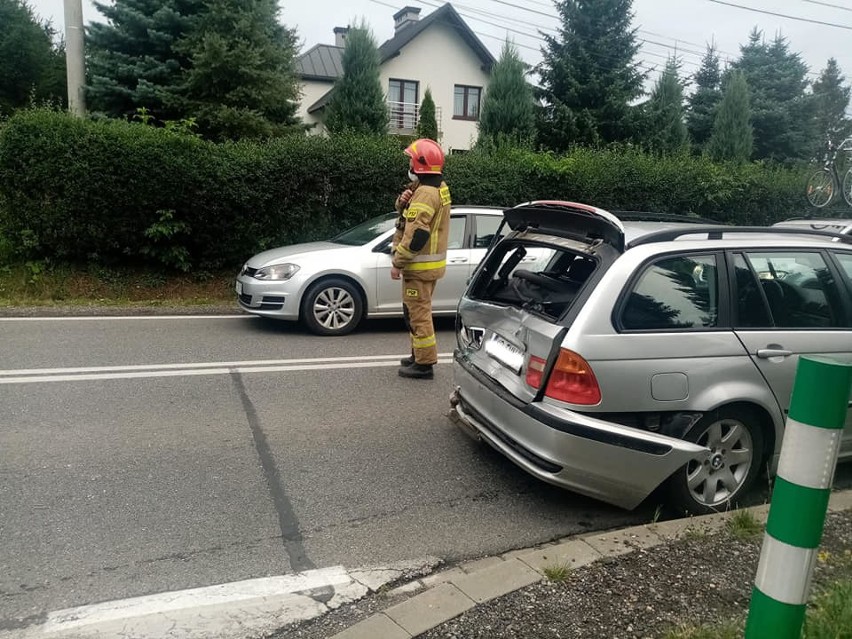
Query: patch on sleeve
445,196
418,239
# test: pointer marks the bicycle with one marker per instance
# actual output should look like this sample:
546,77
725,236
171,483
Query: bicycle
823,184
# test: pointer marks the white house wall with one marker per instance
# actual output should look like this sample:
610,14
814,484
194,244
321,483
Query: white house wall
312,91
439,58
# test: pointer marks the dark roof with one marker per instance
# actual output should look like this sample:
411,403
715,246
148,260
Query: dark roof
320,62
446,14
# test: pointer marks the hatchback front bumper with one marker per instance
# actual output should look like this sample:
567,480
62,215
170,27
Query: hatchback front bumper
610,462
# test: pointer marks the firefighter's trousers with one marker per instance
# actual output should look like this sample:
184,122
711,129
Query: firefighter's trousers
417,309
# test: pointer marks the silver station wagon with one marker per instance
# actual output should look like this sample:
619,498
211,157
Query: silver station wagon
629,355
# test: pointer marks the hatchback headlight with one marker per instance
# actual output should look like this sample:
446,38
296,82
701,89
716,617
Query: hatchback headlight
276,272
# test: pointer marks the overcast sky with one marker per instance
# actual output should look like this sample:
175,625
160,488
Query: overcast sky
665,26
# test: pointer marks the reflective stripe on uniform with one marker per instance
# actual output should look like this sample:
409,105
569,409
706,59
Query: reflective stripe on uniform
424,342
425,266
404,251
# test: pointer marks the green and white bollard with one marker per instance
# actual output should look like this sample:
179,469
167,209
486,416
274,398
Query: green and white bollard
800,499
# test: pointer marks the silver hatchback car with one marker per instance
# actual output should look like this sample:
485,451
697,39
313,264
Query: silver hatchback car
631,355
331,286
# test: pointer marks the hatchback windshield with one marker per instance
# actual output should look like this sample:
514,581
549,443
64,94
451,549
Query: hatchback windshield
366,231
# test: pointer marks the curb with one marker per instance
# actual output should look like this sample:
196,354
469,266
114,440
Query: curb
448,594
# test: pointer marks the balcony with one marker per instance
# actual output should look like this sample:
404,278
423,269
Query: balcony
404,117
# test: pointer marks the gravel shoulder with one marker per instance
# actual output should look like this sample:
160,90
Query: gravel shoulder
698,578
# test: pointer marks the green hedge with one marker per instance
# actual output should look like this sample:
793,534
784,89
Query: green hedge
110,192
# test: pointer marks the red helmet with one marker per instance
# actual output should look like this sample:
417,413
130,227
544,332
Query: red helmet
426,157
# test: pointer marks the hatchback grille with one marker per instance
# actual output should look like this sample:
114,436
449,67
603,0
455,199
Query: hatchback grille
245,299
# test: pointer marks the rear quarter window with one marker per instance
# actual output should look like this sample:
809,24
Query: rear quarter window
672,293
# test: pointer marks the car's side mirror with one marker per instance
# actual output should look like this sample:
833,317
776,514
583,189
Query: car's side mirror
384,247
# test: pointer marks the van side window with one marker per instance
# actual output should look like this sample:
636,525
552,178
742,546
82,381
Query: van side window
799,288
486,229
458,227
675,293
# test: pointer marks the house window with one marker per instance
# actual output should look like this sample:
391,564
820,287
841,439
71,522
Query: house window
466,104
403,103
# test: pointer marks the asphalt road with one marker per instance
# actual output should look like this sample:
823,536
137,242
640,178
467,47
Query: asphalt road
170,453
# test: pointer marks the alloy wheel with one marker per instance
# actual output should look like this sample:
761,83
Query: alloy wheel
334,308
718,476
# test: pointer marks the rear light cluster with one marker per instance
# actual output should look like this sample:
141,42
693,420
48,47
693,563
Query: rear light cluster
571,380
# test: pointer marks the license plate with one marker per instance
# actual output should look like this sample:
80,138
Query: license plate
239,287
507,354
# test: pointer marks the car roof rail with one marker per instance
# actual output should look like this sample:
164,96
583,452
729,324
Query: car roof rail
717,232
812,218
647,216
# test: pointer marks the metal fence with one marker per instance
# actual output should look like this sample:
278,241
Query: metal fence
404,117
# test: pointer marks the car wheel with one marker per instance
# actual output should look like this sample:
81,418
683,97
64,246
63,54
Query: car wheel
715,481
332,307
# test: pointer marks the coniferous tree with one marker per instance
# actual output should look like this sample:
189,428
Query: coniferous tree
241,80
427,123
589,75
732,139
358,103
508,109
31,65
831,101
782,113
133,57
666,127
704,101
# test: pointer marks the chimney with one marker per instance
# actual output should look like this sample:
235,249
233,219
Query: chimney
340,36
405,17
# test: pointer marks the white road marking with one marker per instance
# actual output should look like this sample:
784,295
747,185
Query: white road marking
209,596
238,610
191,365
109,318
211,369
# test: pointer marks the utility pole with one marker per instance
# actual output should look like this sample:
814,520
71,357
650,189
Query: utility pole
74,62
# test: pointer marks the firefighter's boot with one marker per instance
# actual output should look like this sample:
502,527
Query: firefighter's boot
407,361
417,371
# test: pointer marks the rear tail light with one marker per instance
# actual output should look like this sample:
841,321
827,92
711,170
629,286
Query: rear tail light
572,380
535,371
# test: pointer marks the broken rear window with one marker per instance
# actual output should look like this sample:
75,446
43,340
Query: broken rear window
538,278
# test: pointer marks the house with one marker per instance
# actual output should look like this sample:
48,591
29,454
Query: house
438,51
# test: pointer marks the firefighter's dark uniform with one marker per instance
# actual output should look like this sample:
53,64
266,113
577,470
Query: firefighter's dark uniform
420,252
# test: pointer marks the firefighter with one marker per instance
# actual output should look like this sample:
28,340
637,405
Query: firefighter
420,251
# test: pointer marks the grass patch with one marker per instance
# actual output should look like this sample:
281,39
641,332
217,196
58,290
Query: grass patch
829,617
729,630
743,525
693,532
557,572
34,284
830,614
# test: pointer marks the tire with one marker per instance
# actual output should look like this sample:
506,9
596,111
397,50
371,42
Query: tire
333,306
715,482
821,189
847,187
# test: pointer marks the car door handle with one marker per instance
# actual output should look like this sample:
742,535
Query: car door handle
767,353
458,260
